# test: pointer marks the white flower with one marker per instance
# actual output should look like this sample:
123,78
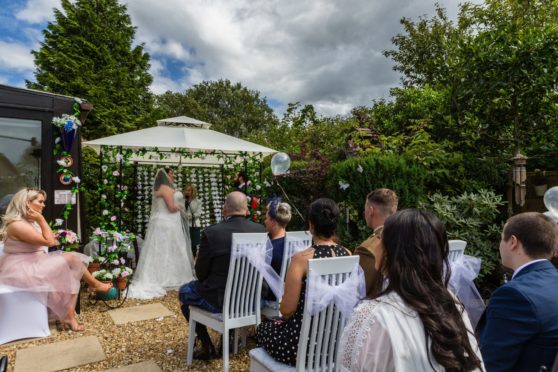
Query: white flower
76,179
104,168
343,186
359,168
62,163
118,157
105,212
58,222
105,181
57,140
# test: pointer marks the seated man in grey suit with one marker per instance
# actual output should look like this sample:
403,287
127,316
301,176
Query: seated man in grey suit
519,328
212,266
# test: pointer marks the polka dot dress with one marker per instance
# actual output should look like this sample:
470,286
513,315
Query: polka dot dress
280,337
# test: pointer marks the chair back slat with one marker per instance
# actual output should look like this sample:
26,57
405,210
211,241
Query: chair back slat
320,333
244,282
292,239
456,249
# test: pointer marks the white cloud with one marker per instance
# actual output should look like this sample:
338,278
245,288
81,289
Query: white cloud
37,11
16,56
324,52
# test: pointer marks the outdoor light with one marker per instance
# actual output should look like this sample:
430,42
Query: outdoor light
519,176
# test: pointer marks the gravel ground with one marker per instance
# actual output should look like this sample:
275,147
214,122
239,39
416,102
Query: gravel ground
163,341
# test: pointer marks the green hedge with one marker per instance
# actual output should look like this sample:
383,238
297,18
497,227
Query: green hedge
365,174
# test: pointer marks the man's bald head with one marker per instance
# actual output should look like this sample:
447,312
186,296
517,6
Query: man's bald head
235,204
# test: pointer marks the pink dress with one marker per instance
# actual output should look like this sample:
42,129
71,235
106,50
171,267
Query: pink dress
28,268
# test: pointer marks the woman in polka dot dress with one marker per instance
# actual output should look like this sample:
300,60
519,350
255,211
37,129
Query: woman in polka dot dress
280,337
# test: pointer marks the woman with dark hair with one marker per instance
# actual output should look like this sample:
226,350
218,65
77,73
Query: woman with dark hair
280,337
415,323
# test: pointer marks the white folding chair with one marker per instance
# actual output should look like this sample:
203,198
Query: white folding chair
22,314
293,241
456,249
241,307
320,333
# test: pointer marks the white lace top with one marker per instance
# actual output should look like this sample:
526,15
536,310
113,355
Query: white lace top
387,335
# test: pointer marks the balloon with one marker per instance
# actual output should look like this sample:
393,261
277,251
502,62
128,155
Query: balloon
280,163
551,200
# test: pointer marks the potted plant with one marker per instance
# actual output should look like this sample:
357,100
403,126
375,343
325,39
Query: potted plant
540,182
95,263
67,239
122,275
105,276
68,126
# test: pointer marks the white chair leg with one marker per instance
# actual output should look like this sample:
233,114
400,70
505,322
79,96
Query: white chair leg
226,350
191,342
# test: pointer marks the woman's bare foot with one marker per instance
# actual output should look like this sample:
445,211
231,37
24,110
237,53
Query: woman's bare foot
74,325
101,287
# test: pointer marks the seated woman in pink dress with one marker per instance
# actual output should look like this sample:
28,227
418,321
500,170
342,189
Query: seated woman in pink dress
27,266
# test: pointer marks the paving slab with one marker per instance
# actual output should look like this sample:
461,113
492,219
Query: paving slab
139,313
147,366
60,355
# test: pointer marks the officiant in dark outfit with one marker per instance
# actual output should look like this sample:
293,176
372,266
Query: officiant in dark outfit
212,266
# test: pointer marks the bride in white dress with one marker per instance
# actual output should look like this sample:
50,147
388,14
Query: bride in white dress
165,260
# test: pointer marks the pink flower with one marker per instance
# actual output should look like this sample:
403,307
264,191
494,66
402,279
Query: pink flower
115,262
115,173
112,248
113,218
122,260
97,231
124,274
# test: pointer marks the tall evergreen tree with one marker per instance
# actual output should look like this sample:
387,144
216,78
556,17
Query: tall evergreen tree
88,52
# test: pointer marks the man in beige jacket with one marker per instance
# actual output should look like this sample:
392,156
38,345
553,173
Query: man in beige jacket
379,205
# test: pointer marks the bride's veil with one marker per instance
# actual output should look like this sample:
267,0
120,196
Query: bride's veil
161,178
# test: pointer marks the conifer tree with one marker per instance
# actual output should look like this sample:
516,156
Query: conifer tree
88,52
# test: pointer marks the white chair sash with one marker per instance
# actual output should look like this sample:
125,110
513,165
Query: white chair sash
297,246
463,273
260,258
320,294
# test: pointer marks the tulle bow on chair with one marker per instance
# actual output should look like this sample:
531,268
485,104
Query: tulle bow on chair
345,296
464,270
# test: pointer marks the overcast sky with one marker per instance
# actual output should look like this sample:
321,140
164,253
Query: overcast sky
324,52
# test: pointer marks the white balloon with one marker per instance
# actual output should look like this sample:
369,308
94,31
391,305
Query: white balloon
551,200
280,163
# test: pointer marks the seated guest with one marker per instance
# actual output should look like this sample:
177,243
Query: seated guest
519,328
212,266
277,217
280,337
26,265
379,205
415,324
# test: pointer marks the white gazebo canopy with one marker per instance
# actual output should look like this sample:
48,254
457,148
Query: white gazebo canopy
183,133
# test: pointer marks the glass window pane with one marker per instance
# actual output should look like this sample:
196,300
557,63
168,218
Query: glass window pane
20,156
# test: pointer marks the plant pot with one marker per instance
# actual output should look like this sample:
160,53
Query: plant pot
112,294
68,139
540,189
93,266
120,283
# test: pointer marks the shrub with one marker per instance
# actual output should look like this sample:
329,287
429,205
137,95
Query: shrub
475,218
348,182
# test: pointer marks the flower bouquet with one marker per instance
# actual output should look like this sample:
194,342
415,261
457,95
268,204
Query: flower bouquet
68,125
68,240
